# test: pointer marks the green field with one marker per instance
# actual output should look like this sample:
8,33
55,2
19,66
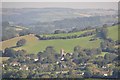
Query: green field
113,32
34,45
68,45
68,34
12,42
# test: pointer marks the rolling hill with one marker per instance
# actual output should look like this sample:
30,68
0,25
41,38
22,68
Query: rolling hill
34,45
67,45
47,20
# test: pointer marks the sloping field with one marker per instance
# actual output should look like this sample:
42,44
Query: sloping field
12,42
34,45
113,32
68,45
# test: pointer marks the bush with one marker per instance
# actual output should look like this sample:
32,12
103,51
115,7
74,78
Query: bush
21,42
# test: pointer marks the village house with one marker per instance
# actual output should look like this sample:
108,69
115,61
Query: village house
62,59
79,73
32,56
57,62
64,72
104,67
103,72
3,65
24,67
36,59
45,65
82,73
109,72
28,57
15,63
63,65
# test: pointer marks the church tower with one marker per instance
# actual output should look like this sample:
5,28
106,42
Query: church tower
62,52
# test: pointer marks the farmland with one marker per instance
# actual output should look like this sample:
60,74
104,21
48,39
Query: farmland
34,45
67,45
113,32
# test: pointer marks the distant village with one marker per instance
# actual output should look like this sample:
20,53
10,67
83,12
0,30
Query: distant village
55,65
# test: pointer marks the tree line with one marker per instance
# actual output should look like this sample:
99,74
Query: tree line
64,37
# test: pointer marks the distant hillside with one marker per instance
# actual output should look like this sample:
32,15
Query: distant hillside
33,15
10,31
47,20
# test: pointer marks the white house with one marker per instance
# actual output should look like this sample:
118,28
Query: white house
105,74
15,63
24,67
36,59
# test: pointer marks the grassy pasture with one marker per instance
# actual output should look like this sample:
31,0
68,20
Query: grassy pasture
34,45
68,45
113,32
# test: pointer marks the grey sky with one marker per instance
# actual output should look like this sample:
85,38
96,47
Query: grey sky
76,5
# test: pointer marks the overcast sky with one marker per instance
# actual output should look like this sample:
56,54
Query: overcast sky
75,5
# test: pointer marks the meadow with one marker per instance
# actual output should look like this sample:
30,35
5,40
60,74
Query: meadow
34,45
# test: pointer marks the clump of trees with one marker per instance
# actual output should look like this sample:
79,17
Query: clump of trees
24,32
102,32
106,59
87,34
108,46
9,52
21,42
7,33
59,31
